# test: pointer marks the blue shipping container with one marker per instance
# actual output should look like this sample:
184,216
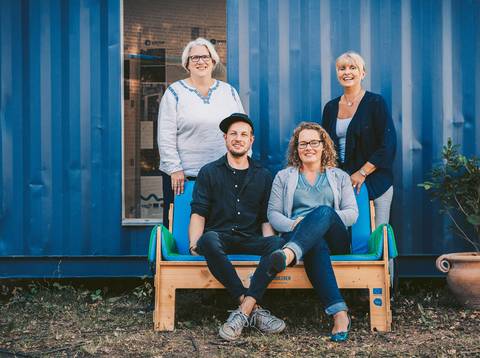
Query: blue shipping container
60,115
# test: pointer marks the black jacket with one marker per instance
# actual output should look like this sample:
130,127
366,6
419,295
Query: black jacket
370,137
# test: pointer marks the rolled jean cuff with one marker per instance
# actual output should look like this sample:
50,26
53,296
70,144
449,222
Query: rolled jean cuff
297,250
336,307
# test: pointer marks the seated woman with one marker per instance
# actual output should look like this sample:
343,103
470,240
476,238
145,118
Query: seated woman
312,203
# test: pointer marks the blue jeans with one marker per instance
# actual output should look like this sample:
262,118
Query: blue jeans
216,246
318,235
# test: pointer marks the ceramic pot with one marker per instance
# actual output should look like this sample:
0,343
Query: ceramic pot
463,276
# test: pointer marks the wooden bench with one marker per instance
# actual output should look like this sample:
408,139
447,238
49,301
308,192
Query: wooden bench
366,268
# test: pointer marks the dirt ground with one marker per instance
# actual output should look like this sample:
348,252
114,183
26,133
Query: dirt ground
114,319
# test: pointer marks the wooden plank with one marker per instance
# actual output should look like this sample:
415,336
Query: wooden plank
166,308
255,263
170,218
157,284
201,278
380,310
372,216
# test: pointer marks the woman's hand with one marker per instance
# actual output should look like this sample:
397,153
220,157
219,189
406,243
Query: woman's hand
357,181
178,182
297,220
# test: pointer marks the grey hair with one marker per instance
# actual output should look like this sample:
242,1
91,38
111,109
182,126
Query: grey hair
199,42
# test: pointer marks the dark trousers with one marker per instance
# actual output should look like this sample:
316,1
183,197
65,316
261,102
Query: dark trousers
318,235
216,246
168,196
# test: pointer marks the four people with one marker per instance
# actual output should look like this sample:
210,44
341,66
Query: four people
311,203
189,114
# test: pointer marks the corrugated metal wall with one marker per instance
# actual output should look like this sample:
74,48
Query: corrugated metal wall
60,113
422,56
60,125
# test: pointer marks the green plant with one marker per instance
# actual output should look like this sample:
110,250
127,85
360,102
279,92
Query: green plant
96,295
456,185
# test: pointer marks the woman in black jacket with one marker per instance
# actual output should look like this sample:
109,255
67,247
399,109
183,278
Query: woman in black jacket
364,135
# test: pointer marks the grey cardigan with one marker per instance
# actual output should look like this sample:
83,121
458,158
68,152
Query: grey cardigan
283,188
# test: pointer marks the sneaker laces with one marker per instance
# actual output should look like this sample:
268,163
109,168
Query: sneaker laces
232,319
263,313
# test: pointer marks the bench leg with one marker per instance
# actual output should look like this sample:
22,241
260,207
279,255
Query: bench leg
164,314
380,312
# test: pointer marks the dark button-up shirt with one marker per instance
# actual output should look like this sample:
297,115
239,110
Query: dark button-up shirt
230,205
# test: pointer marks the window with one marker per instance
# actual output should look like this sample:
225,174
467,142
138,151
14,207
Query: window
154,35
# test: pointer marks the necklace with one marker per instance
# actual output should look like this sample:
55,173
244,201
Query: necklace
350,103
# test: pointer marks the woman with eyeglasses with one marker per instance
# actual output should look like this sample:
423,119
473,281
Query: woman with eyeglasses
190,112
312,203
363,132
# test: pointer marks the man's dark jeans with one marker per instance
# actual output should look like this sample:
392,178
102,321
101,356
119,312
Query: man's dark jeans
318,235
216,246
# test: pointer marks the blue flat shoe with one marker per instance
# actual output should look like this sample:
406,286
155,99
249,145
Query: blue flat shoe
342,336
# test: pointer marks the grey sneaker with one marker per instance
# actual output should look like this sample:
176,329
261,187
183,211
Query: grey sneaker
266,322
232,329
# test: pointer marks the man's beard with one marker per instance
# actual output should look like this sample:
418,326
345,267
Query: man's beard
238,154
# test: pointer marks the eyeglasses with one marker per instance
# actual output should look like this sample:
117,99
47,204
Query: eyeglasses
204,58
313,143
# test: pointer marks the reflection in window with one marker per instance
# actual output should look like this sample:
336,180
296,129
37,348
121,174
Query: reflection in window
155,32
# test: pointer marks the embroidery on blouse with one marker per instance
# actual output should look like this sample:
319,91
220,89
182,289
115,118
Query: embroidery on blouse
206,99
233,93
173,92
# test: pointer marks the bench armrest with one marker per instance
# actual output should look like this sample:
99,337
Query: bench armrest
375,243
168,245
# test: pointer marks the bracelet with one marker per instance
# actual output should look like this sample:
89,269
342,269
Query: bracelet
363,172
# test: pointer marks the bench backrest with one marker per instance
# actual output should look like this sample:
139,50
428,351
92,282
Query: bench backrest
181,218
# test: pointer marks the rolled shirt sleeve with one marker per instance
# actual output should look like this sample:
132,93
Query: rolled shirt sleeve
167,133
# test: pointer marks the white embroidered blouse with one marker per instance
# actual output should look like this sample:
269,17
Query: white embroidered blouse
188,135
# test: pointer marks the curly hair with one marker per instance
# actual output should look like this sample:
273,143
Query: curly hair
329,154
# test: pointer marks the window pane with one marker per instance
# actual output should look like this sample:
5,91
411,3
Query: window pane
155,33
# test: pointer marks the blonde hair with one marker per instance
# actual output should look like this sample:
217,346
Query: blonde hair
352,57
199,42
329,154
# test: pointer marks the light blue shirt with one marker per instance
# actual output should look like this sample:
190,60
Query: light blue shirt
342,127
307,197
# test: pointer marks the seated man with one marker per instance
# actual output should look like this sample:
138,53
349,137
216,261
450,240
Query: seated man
229,216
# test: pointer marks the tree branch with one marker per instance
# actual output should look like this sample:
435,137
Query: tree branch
460,205
465,236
